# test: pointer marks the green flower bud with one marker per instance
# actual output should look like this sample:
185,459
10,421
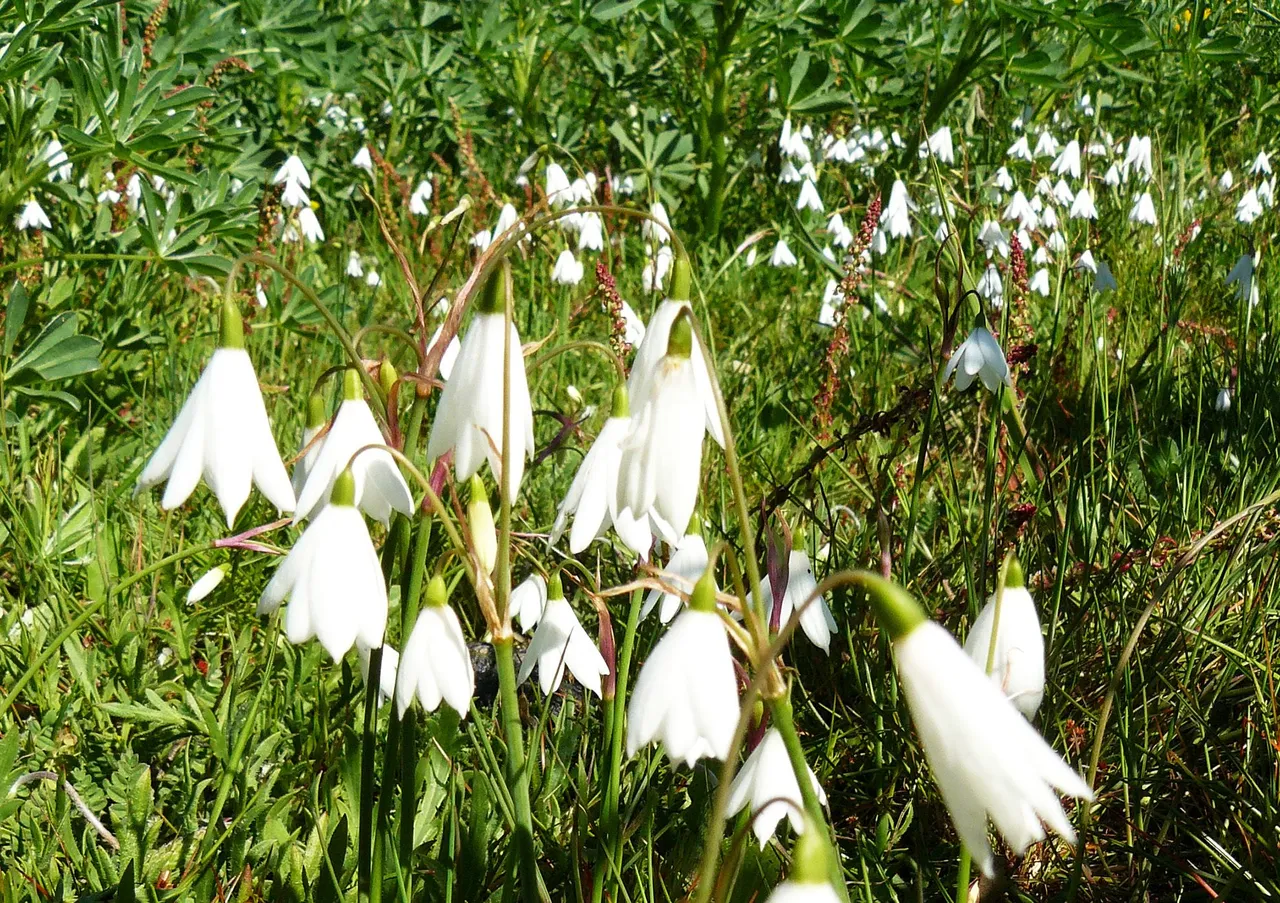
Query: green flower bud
810,858
681,279
316,413
555,589
484,537
621,401
352,389
704,593
437,592
1013,577
387,377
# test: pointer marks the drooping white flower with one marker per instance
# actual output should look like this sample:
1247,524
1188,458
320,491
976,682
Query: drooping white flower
994,238
809,198
292,170
568,269
450,352
1267,192
1020,149
1046,145
662,454
1067,162
896,217
354,268
940,145
1137,157
310,225
363,160
559,193
1222,401
767,783
979,356
1112,177
782,256
1144,210
435,664
469,416
654,274
1040,282
591,236
592,499
816,619
206,584
294,195
1017,666
841,235
559,643
1020,209
803,892
222,434
418,200
1004,180
528,600
1248,208
1103,280
688,563
1082,206
332,579
1261,165
988,761
59,164
32,216
1062,193
634,325
481,240
379,486
1241,276
991,285
1056,243
372,279
686,696
1086,262
1226,181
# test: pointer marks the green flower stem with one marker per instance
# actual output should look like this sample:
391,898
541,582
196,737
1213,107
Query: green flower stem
607,865
517,770
411,592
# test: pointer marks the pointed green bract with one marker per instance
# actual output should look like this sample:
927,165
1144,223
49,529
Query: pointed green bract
437,592
1013,576
231,327
351,388
621,401
316,414
681,279
896,610
704,593
810,862
387,376
491,299
555,589
680,341
344,489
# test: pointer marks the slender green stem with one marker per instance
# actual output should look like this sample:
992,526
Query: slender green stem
517,769
608,864
368,754
411,592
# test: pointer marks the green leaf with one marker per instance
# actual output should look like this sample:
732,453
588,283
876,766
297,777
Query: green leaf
15,315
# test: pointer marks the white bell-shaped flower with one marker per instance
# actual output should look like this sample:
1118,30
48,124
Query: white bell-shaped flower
469,416
896,218
688,563
559,643
435,664
809,198
1144,210
988,760
294,195
292,170
1017,661
222,433
380,488
662,454
559,192
310,226
941,146
979,356
206,584
32,216
309,447
653,349
568,269
767,782
592,500
1082,206
816,619
686,696
1241,276
363,160
418,200
528,600
1067,162
332,579
782,256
